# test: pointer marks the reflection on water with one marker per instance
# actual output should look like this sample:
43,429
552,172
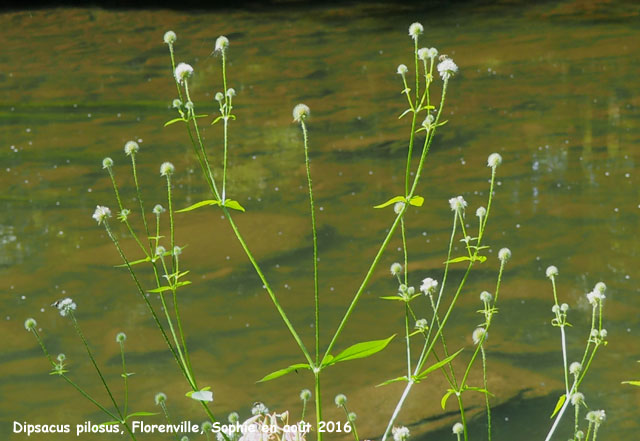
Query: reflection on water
553,88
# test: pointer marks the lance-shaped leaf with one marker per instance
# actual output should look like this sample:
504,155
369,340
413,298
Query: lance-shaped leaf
285,371
198,205
135,262
445,397
422,375
235,205
360,350
390,201
393,380
139,414
416,201
173,121
633,383
559,404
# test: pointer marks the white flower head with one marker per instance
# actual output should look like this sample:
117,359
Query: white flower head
30,324
101,213
494,160
596,416
457,429
131,148
219,97
176,103
398,207
478,335
160,398
305,394
202,395
121,337
486,297
160,251
428,121
457,204
65,306
564,307
504,254
206,427
340,400
107,162
222,43
423,53
158,210
167,169
603,333
577,398
481,212
433,52
402,69
233,417
259,409
170,37
429,286
575,368
416,29
600,287
396,268
422,324
552,271
400,433
301,112
183,71
595,297
447,69
231,92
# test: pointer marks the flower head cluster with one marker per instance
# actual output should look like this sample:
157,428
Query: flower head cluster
101,213
131,148
494,160
222,43
457,204
423,54
429,286
400,433
481,212
577,398
107,162
340,400
422,324
504,254
158,210
65,306
457,429
259,409
596,416
552,271
597,296
121,337
402,69
30,324
305,394
415,30
167,169
447,69
182,72
301,112
478,335
485,297
160,398
396,268
170,37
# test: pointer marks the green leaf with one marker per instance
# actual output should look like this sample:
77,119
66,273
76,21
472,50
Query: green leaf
216,120
445,397
110,423
326,361
559,404
393,298
135,262
458,259
390,201
393,380
198,205
422,375
201,116
137,414
128,374
405,112
633,383
161,289
479,389
285,371
173,121
235,205
416,201
361,350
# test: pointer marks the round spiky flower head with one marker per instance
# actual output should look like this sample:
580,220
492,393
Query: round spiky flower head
107,162
30,324
400,433
170,37
575,368
457,204
65,306
552,271
160,251
61,357
121,337
305,394
233,417
398,207
167,169
577,398
457,429
600,287
486,297
131,148
183,71
219,97
423,53
176,103
301,112
478,335
447,69
206,427
340,400
259,409
396,268
231,92
402,69
428,121
160,398
415,30
352,417
433,53
422,324
158,210
222,43
481,212
504,254
494,160
596,416
101,213
428,286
